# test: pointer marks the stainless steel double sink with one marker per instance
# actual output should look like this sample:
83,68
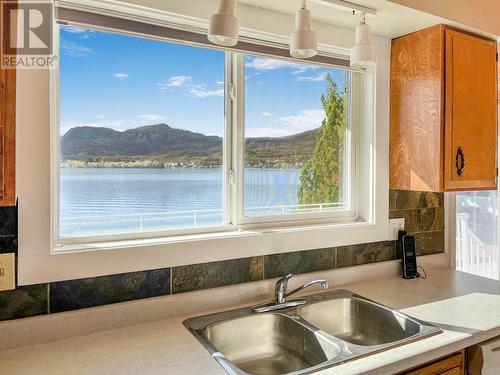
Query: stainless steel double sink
330,329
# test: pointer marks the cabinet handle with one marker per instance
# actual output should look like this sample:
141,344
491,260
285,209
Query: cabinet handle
460,161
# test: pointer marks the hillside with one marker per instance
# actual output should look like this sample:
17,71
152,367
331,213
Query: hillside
164,145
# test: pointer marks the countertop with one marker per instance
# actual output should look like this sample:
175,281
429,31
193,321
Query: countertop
466,307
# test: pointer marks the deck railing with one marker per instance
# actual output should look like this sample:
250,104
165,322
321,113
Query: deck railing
473,256
140,222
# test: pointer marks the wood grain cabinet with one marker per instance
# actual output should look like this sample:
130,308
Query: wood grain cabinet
451,365
443,128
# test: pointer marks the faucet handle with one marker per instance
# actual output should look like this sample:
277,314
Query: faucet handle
282,283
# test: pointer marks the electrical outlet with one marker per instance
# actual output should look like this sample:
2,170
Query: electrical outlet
7,272
395,225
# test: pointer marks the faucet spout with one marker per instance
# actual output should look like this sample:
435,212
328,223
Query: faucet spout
322,283
280,297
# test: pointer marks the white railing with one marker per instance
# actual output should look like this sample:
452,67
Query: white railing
141,222
472,255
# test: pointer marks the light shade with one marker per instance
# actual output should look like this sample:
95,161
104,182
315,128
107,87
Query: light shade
363,53
224,26
303,42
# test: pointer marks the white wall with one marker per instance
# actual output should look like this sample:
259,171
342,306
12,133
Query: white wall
481,14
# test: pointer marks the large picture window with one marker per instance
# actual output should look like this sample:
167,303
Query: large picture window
148,145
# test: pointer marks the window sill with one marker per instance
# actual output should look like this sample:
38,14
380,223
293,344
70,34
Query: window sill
113,257
200,238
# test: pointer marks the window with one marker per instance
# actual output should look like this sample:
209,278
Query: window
57,254
477,231
143,130
297,138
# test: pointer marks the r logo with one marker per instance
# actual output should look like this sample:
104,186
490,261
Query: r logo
28,27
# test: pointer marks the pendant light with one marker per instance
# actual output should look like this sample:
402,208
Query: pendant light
303,42
224,26
363,53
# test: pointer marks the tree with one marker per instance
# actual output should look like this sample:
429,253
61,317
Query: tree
320,179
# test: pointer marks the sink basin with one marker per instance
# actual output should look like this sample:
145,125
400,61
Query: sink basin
331,328
269,344
359,321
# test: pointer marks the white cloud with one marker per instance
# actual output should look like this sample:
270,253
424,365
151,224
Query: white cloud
151,117
198,91
82,33
121,76
266,132
201,92
267,114
75,50
306,119
265,64
178,81
315,78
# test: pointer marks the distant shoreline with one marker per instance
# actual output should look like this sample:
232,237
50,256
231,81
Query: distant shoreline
155,164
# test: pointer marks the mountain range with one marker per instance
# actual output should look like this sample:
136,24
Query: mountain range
171,146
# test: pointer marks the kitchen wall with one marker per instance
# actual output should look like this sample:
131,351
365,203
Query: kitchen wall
423,213
466,12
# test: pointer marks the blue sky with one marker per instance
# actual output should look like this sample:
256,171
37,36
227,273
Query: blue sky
123,82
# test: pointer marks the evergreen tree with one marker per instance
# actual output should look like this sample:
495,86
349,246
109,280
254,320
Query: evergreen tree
320,179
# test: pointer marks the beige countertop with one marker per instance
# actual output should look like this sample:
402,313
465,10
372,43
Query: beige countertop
465,306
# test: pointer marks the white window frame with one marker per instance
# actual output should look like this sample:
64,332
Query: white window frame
346,215
40,260
233,163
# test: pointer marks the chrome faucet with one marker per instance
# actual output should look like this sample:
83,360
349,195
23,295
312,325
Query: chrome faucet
281,295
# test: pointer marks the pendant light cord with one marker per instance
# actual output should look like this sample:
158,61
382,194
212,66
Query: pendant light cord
304,4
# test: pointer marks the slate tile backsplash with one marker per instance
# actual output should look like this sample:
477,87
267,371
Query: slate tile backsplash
8,229
23,302
103,290
214,274
277,265
355,255
423,213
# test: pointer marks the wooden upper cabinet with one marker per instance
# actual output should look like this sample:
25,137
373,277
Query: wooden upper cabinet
443,128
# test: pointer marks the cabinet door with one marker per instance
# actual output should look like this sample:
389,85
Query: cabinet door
471,112
452,365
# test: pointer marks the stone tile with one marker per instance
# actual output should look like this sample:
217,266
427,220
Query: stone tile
8,244
405,199
432,219
365,253
429,242
23,302
8,221
276,265
392,199
214,274
412,219
95,291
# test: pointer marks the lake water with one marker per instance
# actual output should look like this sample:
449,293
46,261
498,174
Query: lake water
115,200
